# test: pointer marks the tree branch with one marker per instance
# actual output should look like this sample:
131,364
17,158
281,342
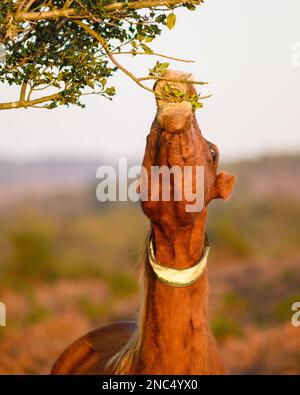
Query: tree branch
23,91
105,46
28,5
28,13
20,5
28,103
134,5
155,54
137,80
150,77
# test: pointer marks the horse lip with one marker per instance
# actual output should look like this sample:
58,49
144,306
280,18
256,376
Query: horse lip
175,117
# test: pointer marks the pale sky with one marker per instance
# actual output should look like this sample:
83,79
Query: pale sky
244,48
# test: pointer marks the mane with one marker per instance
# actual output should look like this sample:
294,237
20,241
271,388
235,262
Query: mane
125,360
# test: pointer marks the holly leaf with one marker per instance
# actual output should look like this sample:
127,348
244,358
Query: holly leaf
146,49
171,20
164,65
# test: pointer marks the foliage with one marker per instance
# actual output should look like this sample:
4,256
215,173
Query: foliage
123,284
94,311
284,307
37,314
69,48
223,327
32,258
172,93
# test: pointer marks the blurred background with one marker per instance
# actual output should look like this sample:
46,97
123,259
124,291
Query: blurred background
69,264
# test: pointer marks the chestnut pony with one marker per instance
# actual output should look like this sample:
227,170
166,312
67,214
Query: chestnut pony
172,335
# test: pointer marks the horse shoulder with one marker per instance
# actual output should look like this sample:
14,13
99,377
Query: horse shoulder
90,353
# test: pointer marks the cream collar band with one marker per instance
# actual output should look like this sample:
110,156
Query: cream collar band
177,277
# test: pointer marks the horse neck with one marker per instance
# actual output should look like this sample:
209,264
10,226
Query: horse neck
174,330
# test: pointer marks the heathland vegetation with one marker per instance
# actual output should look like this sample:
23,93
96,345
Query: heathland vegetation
69,264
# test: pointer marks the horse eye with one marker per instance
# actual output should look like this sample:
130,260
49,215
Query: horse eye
213,152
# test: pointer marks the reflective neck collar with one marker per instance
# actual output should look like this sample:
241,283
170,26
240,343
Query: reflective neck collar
177,277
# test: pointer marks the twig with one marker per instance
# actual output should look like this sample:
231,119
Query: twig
28,5
105,46
155,54
150,77
20,5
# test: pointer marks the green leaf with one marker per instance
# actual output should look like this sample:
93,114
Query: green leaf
178,94
190,7
160,18
140,37
147,49
171,20
167,88
103,82
196,105
90,84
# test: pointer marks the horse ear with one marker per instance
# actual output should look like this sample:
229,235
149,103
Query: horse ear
223,185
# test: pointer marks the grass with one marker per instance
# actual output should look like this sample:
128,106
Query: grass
38,245
235,303
225,234
283,309
37,314
224,327
123,284
93,311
